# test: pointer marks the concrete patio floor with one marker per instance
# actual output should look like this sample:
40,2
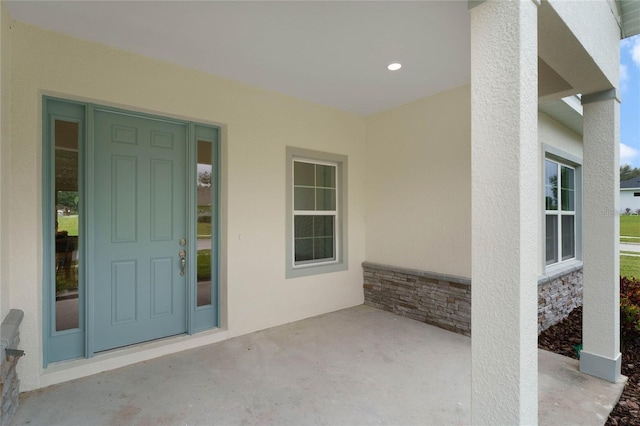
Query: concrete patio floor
351,367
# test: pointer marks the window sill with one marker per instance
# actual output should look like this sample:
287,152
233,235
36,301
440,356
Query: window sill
554,271
315,268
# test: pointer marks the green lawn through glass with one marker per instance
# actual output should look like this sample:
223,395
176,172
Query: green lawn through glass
69,224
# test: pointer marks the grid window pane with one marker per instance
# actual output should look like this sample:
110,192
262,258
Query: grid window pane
304,199
304,249
551,239
323,248
551,185
568,200
323,226
568,237
325,199
303,226
303,174
567,181
325,176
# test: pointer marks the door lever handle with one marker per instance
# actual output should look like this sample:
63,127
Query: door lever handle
183,261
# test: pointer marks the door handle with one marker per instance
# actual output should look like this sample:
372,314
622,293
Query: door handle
183,261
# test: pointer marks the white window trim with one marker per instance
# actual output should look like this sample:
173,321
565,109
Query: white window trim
559,213
334,213
563,158
339,262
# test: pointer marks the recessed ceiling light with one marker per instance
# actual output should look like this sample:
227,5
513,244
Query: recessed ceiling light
394,66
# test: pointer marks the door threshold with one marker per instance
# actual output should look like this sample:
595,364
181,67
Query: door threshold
64,371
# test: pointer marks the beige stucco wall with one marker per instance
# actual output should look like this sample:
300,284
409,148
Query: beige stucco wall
553,133
419,184
595,24
5,156
257,126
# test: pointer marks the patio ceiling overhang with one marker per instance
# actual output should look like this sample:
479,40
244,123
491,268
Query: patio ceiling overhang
332,53
630,17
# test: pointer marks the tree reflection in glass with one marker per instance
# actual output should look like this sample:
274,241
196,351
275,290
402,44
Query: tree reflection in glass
66,165
204,219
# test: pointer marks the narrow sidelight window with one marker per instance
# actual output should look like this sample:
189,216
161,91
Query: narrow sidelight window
67,197
205,197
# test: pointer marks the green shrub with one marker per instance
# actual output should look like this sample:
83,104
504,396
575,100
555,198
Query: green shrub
629,308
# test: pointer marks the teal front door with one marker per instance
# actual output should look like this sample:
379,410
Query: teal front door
139,186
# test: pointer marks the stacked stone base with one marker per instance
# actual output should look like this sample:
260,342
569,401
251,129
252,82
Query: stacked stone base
9,388
440,300
9,383
558,295
445,301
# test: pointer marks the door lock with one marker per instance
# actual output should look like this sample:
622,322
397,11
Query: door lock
183,261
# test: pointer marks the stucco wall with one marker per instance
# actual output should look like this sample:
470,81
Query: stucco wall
5,156
595,25
419,184
258,125
551,132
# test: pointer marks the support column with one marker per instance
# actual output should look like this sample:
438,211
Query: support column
600,355
506,174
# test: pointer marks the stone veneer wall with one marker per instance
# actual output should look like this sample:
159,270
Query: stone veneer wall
440,300
558,295
445,300
9,383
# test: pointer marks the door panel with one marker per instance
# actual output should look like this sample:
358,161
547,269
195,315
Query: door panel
140,216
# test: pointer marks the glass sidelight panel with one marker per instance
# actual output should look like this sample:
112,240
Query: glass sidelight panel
204,223
66,166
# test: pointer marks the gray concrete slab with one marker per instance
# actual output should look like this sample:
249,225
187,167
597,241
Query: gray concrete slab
351,367
568,397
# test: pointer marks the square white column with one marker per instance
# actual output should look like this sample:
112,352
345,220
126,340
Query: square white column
506,212
600,355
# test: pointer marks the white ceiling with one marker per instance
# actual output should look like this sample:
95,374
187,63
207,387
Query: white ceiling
332,53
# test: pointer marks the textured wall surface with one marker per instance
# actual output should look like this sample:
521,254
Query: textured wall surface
5,156
419,184
601,229
595,26
505,191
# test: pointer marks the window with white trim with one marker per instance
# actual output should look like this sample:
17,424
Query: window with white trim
560,212
316,212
